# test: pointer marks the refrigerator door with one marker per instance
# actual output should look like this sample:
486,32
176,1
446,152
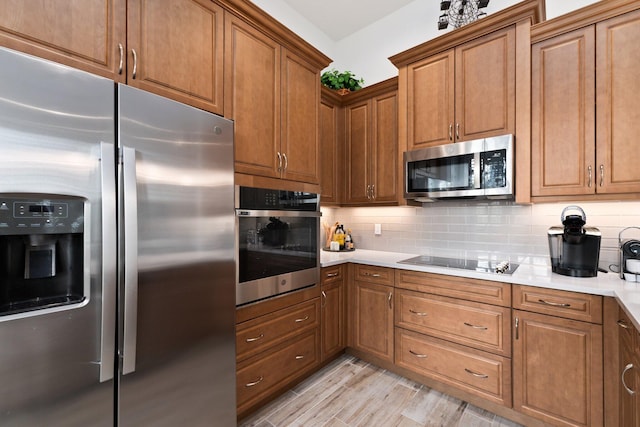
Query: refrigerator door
56,142
177,304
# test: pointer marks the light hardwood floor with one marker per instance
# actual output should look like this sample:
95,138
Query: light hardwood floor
350,392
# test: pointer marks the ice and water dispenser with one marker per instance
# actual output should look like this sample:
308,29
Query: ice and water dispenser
41,252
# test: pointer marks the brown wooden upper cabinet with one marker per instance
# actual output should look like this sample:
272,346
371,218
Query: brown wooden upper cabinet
172,48
175,49
463,93
84,34
273,96
331,147
585,109
371,129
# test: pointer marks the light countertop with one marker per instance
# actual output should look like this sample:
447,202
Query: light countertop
530,272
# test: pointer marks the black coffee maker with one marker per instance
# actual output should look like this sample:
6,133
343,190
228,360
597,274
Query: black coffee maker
574,248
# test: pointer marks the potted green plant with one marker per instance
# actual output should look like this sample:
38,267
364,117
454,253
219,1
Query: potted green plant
342,81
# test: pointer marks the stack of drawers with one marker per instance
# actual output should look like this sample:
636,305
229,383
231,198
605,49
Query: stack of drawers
275,349
455,330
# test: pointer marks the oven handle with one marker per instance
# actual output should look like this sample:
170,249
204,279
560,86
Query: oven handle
247,213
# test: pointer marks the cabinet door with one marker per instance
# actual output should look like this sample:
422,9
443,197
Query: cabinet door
358,152
331,155
333,323
618,104
485,86
430,112
563,115
384,148
85,34
372,320
629,376
300,96
178,50
557,369
252,97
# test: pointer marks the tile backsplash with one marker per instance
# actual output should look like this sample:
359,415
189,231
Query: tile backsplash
472,228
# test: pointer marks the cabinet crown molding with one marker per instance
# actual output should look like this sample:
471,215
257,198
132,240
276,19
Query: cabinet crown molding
533,10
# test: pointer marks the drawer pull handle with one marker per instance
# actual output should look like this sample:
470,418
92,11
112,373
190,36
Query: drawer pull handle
256,382
299,357
259,337
417,313
554,304
484,328
302,320
332,274
626,368
418,355
622,324
366,273
475,374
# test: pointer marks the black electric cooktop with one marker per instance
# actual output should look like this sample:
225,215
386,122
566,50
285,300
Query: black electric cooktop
480,265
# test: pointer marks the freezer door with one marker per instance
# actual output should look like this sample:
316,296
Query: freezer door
177,305
57,143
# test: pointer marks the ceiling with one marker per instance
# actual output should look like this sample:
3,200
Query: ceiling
339,18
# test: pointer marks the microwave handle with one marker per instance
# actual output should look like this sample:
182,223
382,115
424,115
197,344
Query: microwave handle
245,213
476,170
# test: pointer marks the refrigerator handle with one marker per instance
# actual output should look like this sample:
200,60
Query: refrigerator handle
108,214
130,220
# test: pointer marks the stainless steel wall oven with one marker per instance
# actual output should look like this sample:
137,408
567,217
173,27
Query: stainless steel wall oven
278,242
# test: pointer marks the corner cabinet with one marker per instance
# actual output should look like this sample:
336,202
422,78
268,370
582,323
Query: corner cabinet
583,105
371,129
332,312
558,356
628,371
331,147
273,96
371,311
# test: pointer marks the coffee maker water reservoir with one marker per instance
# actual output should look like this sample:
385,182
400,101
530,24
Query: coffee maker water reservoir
41,252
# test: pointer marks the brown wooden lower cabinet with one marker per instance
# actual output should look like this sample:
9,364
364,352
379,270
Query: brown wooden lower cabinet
332,312
371,312
484,374
265,373
628,380
275,350
557,369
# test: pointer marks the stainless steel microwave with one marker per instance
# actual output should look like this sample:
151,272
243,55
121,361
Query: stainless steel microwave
481,168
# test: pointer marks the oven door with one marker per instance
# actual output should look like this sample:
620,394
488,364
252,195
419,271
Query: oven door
278,252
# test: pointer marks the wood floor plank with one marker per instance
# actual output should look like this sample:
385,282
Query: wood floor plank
350,393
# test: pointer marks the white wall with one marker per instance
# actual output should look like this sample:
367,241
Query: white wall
366,52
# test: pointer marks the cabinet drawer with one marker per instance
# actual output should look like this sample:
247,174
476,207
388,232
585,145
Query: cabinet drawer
371,274
258,334
331,274
481,326
484,374
262,374
570,305
456,287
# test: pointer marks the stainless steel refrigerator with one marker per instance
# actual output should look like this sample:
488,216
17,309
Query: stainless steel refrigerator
117,269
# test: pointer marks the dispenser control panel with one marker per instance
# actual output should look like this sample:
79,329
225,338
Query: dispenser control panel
41,216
